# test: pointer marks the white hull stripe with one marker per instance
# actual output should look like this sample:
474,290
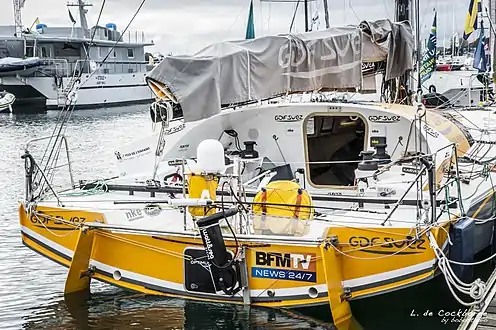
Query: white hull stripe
281,294
396,275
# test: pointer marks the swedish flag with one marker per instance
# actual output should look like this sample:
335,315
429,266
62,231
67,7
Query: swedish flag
471,21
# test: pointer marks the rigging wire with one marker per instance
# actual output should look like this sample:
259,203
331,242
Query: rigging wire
353,10
294,16
67,111
87,53
94,30
62,112
118,40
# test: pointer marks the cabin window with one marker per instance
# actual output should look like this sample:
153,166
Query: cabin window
67,50
29,51
43,52
112,53
130,53
100,53
331,139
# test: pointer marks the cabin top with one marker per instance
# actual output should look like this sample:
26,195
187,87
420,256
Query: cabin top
324,140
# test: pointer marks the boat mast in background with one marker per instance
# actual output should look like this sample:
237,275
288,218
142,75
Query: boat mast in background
18,4
402,13
305,5
306,15
418,46
82,14
492,37
326,13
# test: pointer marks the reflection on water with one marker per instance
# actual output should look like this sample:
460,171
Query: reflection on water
114,309
31,286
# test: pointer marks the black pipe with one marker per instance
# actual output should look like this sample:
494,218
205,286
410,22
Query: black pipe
429,165
29,168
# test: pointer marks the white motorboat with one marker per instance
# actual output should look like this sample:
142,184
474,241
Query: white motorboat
6,102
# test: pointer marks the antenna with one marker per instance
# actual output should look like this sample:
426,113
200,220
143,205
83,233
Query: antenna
18,4
82,13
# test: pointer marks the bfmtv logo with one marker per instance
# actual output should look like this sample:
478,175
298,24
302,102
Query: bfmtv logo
296,261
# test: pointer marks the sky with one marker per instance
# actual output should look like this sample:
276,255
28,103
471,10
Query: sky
184,27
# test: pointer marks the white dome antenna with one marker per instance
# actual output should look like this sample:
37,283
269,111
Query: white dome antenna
210,154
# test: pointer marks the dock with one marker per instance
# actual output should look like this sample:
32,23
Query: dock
483,318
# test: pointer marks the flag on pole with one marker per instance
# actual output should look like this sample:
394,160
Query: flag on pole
71,17
250,27
315,20
480,60
474,8
429,58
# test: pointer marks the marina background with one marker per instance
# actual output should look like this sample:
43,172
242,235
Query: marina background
169,23
31,287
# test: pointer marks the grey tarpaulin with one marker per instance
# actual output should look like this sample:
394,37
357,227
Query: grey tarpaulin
384,40
240,71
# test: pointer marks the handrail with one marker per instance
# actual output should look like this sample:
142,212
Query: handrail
486,90
64,139
83,66
59,65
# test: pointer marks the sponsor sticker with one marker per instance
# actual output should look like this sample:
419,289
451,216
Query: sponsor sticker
134,214
285,266
175,129
385,119
132,154
287,118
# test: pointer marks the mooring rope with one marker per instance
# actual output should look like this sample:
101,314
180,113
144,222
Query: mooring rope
475,290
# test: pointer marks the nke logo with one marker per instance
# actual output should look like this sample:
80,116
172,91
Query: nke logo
134,214
286,260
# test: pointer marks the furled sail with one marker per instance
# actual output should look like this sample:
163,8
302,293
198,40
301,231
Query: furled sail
240,71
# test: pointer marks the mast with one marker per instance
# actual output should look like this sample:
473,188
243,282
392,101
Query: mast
444,38
18,4
326,13
82,14
418,47
492,38
306,15
452,32
402,13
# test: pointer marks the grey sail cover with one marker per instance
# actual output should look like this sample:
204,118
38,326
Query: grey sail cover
384,40
240,71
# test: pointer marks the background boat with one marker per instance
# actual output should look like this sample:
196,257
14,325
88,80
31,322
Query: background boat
40,65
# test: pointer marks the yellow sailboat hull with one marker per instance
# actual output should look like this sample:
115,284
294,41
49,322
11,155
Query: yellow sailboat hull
349,263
